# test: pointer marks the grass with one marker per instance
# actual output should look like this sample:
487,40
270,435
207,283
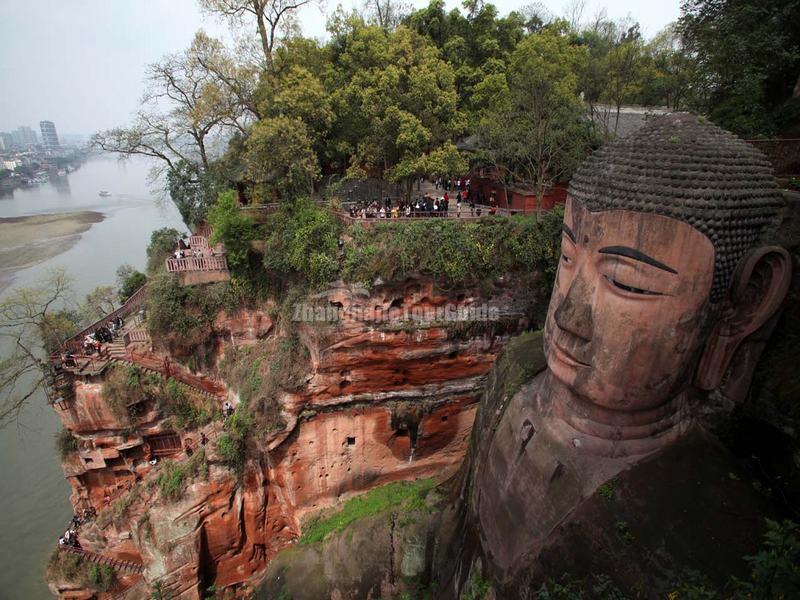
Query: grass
175,476
402,496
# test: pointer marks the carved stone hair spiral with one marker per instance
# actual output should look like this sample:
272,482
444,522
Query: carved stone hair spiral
682,167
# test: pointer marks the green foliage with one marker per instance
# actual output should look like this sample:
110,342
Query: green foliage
531,125
66,567
159,592
101,578
128,281
400,496
175,476
301,242
747,57
66,443
57,326
188,408
194,189
163,243
775,570
606,491
454,251
280,161
231,227
186,312
477,588
232,445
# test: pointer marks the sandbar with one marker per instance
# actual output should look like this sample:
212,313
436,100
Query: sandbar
26,241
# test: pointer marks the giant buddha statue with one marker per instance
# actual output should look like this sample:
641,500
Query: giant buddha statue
665,271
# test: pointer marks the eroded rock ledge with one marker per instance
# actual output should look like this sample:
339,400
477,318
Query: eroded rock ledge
390,394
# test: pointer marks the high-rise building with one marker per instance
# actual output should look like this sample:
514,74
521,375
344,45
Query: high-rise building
6,141
49,135
24,137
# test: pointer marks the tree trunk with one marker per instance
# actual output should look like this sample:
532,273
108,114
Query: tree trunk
258,7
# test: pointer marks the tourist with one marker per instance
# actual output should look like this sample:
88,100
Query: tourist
228,409
203,439
458,209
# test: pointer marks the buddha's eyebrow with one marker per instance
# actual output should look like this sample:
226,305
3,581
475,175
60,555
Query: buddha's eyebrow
636,255
565,228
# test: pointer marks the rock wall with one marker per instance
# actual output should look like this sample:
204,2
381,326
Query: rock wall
395,375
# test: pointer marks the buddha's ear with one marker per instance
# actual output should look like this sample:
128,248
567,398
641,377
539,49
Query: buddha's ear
758,288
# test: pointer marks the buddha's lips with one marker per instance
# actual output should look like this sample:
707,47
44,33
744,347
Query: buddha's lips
567,356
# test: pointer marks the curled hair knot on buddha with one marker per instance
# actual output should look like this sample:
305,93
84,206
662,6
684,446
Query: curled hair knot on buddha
682,167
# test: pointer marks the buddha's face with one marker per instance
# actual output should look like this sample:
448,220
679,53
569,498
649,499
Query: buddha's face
627,314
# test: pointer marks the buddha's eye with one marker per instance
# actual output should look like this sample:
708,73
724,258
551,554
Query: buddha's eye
631,289
566,259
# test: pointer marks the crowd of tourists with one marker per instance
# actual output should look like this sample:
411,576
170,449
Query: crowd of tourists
70,537
457,195
185,250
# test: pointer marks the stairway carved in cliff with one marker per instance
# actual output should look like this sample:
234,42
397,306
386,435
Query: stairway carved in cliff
102,559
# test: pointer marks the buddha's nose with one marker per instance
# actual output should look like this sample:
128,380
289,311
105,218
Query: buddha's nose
575,312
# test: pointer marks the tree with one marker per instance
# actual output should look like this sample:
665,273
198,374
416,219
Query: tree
163,242
129,279
532,130
269,16
386,14
33,322
397,102
280,161
624,68
100,302
231,227
186,109
747,61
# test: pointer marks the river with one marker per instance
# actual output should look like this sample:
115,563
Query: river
34,505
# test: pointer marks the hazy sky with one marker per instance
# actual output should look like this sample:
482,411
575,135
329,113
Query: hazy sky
81,63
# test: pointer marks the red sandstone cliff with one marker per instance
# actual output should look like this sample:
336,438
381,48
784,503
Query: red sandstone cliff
386,397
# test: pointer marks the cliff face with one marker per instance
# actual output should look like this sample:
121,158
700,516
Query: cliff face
394,376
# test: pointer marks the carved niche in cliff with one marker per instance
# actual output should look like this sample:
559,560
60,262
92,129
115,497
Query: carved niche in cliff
664,273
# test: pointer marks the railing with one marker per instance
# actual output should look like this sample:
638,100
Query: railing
480,212
198,241
197,263
131,305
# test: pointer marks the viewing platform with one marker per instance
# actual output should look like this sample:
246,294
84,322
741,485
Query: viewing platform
199,262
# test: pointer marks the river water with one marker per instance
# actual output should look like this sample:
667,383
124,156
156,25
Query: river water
34,505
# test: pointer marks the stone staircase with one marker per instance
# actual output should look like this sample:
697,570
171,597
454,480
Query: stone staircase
116,350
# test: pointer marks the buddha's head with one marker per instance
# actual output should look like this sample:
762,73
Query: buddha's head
664,270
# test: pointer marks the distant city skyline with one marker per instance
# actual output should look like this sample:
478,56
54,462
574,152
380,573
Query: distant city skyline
82,65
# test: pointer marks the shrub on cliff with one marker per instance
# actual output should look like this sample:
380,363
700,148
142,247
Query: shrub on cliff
456,252
66,443
175,476
231,227
183,315
302,243
101,578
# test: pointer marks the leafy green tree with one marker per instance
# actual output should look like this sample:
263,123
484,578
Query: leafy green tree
747,59
532,130
129,279
231,227
302,244
397,103
163,242
280,161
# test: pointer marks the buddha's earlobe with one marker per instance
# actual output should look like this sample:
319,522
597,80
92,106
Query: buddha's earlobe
758,289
